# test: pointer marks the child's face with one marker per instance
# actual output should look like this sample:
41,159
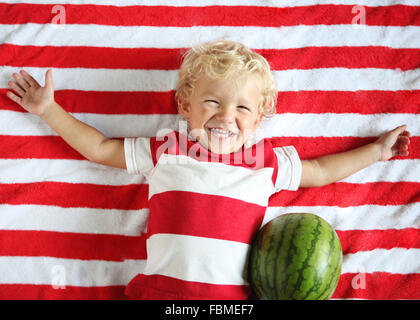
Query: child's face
225,105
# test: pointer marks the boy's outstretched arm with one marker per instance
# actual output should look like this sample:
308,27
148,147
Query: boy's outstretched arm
334,167
88,141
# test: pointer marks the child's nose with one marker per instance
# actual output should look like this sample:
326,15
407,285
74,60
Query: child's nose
226,114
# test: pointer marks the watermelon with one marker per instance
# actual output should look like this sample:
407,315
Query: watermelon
296,256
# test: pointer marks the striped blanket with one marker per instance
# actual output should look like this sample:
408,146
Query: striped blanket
347,71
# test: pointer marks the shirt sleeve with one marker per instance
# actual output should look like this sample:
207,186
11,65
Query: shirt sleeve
138,156
289,169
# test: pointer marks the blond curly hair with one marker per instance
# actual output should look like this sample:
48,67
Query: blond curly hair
223,58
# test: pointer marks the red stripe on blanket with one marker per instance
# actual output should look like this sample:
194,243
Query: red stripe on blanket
313,147
350,194
118,248
353,241
378,285
127,197
48,292
170,59
238,222
397,15
72,245
66,245
91,57
106,102
54,147
37,147
360,101
342,57
135,289
134,197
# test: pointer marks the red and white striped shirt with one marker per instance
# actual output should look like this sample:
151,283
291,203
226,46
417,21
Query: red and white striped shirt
204,211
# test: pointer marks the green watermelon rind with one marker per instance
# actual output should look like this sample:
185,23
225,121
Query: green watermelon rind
280,268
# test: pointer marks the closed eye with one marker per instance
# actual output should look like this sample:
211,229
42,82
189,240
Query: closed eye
213,101
243,107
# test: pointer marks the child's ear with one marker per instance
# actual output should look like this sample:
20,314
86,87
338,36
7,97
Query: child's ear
259,119
184,109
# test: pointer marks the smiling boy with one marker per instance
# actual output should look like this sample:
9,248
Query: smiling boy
226,115
206,199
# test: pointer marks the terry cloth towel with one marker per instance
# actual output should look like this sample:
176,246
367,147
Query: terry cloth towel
72,229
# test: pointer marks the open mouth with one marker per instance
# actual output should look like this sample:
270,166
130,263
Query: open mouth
221,133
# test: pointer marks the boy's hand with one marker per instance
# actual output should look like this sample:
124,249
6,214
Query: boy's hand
334,167
31,96
394,143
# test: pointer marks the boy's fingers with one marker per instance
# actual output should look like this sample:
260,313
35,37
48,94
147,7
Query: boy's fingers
404,139
22,82
14,97
403,147
403,153
16,88
29,78
398,131
49,79
402,128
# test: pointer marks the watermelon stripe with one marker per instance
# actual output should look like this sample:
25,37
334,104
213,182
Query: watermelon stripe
267,262
257,265
305,265
323,280
338,258
293,226
327,278
280,242
284,248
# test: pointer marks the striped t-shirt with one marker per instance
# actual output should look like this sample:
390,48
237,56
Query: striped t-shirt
205,209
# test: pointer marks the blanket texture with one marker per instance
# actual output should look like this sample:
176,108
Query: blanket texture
347,71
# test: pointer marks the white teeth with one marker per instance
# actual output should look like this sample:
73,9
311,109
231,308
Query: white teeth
221,132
